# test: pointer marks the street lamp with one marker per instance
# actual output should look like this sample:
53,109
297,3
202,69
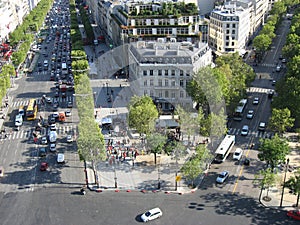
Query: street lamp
286,168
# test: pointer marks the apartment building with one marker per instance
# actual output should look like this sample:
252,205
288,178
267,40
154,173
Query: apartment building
129,21
162,69
229,28
12,14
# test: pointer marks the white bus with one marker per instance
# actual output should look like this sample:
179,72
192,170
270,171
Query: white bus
238,113
224,148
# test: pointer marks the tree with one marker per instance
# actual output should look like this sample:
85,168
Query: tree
273,150
142,114
293,184
156,142
266,179
281,120
197,163
262,43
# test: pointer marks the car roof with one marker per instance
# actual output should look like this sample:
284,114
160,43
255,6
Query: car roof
224,172
262,124
245,126
154,210
238,150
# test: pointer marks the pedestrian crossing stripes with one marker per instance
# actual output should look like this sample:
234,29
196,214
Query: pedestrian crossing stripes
253,133
17,104
27,134
268,65
258,90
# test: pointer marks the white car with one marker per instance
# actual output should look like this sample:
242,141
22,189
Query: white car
68,113
44,140
245,130
69,139
49,100
151,214
222,177
278,68
262,126
255,101
250,114
53,127
55,114
237,154
53,147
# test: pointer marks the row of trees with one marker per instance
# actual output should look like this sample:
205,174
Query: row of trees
263,41
90,142
22,37
288,88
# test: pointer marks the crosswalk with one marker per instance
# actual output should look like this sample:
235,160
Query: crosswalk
252,133
17,104
258,90
28,133
268,65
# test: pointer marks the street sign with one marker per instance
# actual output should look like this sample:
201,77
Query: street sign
178,178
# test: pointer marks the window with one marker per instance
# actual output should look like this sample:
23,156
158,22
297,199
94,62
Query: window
181,94
166,72
173,95
227,25
159,72
166,94
160,94
166,83
173,72
233,25
160,82
227,43
227,37
173,83
233,31
151,82
151,72
232,43
145,83
181,73
145,92
227,31
145,72
181,83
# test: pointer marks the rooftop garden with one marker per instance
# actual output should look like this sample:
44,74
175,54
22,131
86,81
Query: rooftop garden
168,9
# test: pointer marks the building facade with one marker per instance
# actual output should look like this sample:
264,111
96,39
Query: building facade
229,28
131,21
163,69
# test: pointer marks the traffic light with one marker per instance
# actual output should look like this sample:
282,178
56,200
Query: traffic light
111,45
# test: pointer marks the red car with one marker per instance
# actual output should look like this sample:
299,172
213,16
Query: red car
295,214
44,166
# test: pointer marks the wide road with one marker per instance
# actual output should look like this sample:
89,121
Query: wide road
60,205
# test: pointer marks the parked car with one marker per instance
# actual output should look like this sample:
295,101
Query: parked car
69,104
52,147
237,154
222,177
245,130
250,114
295,214
151,214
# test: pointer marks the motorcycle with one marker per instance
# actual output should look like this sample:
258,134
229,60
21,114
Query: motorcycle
82,191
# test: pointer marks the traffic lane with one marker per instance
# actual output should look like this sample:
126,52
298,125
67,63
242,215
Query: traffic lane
65,206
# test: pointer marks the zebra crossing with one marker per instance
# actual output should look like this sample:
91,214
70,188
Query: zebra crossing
28,133
268,65
253,133
17,104
258,90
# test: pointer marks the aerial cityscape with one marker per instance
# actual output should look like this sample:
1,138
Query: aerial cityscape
167,111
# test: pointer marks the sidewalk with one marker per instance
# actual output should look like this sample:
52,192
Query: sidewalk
275,193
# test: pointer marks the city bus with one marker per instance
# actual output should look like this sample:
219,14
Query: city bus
224,148
31,110
238,113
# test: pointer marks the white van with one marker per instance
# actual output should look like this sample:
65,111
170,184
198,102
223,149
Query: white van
52,136
19,120
45,63
60,158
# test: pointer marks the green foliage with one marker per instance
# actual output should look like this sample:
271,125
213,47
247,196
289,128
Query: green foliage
293,183
142,114
273,151
197,164
188,121
262,43
281,120
266,178
155,143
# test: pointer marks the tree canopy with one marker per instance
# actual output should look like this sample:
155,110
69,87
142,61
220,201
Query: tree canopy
273,151
142,114
281,120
